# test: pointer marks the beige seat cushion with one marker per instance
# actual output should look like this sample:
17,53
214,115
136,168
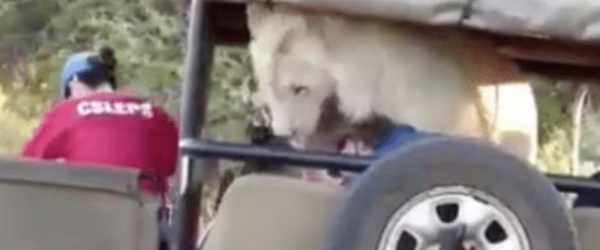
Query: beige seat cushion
48,206
587,223
261,212
266,212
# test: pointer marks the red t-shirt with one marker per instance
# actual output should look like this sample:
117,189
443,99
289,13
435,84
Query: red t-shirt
109,129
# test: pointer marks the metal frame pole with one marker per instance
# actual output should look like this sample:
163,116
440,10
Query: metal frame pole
193,111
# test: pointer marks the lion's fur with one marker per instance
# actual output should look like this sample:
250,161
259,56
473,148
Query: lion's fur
436,79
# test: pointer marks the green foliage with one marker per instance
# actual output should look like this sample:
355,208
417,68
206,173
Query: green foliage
590,134
554,102
554,155
148,36
231,106
16,129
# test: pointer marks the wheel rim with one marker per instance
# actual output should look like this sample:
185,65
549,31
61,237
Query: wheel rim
471,219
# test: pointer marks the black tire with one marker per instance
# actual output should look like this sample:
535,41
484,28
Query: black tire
443,161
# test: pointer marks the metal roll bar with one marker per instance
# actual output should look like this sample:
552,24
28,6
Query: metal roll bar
194,152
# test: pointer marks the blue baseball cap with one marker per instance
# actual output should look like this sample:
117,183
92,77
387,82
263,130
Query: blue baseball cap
84,65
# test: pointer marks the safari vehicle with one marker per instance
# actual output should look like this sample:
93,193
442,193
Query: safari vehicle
441,192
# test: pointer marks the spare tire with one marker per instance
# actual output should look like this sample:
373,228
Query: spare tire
453,194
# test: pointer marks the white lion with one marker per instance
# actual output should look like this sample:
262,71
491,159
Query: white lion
436,79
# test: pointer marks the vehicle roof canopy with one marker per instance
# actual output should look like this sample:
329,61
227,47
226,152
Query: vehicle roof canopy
575,20
552,31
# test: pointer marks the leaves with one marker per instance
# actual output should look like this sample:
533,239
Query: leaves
230,106
148,37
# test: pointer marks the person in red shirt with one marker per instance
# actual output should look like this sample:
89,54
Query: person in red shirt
96,125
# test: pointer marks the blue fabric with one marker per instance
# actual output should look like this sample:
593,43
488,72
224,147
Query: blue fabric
589,198
77,64
395,138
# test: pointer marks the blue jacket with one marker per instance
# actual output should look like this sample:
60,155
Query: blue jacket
397,137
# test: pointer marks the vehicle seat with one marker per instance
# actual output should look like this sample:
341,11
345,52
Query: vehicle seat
268,212
50,206
587,223
264,212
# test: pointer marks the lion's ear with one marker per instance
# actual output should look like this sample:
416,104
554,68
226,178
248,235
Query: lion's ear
256,14
267,18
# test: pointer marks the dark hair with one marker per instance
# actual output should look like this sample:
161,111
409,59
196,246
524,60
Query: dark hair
108,59
104,65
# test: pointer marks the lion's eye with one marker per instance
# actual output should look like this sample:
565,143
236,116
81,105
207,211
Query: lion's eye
299,89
